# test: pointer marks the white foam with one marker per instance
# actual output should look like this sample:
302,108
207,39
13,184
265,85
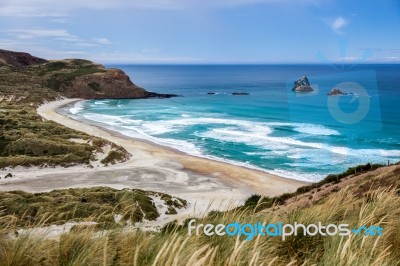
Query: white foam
176,125
111,119
77,108
258,134
310,129
100,102
315,130
297,176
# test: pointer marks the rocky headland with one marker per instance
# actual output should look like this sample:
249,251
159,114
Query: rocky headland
26,77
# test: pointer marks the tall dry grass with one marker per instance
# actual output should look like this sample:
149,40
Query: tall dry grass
173,246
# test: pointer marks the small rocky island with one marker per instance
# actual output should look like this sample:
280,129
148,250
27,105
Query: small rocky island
302,85
335,92
240,93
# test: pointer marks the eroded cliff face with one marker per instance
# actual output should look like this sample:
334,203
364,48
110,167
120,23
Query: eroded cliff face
112,83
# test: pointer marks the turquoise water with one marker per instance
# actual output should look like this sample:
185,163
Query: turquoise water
303,136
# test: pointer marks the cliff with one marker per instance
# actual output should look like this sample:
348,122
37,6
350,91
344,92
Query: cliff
31,79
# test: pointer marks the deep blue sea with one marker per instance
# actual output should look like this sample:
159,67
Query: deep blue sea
298,135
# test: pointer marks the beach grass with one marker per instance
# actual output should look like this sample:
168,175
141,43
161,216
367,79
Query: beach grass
353,205
27,140
99,204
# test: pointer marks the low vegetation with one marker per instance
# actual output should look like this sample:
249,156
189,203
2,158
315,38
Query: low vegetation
36,83
360,203
259,202
27,140
99,204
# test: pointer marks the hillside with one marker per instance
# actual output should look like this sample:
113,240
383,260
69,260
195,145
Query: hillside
29,79
18,59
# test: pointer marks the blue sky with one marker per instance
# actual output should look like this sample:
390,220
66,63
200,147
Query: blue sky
203,31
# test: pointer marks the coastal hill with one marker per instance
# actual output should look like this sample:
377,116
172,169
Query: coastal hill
26,82
32,79
18,59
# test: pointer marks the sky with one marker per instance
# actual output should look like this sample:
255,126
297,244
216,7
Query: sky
204,31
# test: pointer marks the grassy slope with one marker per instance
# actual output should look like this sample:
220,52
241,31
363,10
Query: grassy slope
368,198
99,204
35,83
25,139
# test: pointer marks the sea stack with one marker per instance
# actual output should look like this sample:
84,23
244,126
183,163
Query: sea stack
335,92
302,85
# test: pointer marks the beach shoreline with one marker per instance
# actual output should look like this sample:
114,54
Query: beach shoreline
152,167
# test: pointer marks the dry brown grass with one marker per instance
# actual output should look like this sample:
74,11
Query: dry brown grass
379,206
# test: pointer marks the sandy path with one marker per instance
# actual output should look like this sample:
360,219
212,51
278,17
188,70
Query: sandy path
152,168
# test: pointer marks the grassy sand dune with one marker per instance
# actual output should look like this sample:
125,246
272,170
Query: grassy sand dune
368,198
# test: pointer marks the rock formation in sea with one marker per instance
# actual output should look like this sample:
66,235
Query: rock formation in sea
335,92
302,85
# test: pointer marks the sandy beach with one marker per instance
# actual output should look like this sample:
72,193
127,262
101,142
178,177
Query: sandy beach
201,181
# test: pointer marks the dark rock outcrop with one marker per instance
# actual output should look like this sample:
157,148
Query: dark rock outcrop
302,85
160,95
18,59
335,92
240,93
110,84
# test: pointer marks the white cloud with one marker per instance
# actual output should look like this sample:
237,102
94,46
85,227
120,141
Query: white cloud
59,8
350,58
102,41
338,24
57,36
25,34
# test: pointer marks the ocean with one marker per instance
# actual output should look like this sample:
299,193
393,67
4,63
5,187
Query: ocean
304,136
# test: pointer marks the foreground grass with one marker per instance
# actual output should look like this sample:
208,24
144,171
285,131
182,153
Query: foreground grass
372,200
